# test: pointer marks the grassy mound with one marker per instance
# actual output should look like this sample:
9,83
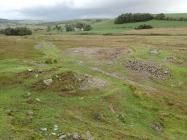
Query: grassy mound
67,81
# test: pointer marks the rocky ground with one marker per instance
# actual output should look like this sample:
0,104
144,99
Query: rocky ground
148,68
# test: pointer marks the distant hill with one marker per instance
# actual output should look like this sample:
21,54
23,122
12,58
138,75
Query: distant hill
3,20
7,21
177,15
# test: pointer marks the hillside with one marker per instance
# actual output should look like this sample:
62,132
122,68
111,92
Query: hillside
177,15
109,26
102,26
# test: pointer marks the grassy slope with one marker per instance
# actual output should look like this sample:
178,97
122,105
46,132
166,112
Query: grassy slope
177,15
109,26
135,109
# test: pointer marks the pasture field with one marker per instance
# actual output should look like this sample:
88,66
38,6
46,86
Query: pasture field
108,26
125,87
177,15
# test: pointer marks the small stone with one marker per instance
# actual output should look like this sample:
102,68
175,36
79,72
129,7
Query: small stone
55,126
89,136
76,136
48,82
62,136
38,99
154,51
43,129
54,134
36,75
30,113
76,51
166,72
30,70
55,129
157,126
68,134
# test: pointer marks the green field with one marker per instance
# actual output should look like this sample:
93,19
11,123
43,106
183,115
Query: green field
104,87
109,26
177,15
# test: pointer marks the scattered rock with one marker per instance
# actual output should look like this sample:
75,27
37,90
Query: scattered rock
38,99
76,136
30,69
53,133
174,59
157,126
43,129
151,68
36,75
89,136
55,127
62,136
154,52
30,113
48,82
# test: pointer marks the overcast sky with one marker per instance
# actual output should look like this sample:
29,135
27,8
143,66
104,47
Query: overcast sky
71,9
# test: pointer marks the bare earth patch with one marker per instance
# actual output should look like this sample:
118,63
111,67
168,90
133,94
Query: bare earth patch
101,53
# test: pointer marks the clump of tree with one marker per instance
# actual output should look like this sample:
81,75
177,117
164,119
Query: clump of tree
130,18
78,27
144,26
160,16
69,27
58,28
18,31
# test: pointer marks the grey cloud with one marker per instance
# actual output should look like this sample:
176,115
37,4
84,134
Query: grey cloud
105,9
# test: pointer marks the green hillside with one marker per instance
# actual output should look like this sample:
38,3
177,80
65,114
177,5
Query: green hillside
109,26
177,15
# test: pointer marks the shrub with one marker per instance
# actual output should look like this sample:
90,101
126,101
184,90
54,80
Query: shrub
18,31
51,61
129,17
69,27
87,27
160,16
144,26
78,26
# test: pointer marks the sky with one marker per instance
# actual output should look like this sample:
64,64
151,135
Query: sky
76,9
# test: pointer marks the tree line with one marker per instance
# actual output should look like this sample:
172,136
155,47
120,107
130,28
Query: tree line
162,16
138,17
129,18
